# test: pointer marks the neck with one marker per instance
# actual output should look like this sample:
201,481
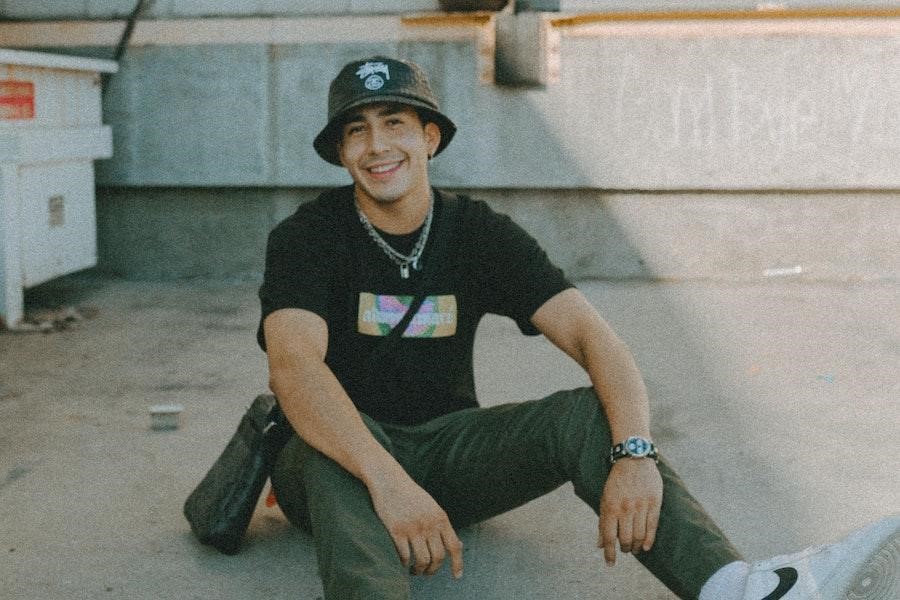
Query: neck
400,216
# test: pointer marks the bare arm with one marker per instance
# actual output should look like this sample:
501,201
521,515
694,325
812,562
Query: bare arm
629,508
322,413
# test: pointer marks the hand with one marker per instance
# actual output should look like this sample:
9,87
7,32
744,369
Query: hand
415,522
629,507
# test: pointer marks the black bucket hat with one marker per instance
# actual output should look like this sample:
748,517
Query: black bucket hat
378,79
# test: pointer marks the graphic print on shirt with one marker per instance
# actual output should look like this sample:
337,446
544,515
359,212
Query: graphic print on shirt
379,313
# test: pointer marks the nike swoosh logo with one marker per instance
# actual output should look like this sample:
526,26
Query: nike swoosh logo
787,577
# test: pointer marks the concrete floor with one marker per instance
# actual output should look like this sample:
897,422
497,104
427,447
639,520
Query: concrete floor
777,400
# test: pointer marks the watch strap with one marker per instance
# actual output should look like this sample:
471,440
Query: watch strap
623,450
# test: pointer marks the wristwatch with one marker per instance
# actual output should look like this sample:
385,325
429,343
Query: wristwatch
634,447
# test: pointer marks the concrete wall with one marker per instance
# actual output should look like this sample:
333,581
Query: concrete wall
165,233
669,150
631,111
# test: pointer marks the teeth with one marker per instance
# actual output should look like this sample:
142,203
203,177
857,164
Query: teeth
384,168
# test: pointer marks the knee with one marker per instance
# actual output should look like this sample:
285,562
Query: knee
581,422
323,474
580,405
378,432
302,471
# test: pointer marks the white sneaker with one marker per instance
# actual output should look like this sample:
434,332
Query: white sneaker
864,566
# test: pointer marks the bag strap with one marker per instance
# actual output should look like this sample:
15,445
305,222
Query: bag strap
443,228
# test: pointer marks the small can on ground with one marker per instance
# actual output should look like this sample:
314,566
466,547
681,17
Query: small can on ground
165,416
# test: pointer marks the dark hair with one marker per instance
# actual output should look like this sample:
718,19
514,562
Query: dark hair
425,117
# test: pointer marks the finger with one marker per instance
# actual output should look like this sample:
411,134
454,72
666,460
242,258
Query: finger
455,548
421,556
402,546
639,531
436,551
626,528
652,524
608,529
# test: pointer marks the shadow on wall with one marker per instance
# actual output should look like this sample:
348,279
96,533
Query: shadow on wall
689,372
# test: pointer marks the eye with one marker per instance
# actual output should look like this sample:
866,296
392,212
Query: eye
353,129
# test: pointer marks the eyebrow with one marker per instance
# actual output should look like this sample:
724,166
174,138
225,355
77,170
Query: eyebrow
390,109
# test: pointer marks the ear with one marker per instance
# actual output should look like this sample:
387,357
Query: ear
432,137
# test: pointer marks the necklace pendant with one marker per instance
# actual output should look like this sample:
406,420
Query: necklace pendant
404,271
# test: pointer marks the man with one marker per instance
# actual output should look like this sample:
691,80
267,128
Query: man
393,453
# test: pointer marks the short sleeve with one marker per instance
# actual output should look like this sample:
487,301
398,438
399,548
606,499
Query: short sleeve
517,272
297,271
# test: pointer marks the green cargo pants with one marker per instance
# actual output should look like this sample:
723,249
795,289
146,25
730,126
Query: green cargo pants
478,463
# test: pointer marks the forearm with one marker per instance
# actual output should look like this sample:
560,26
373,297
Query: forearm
322,413
574,326
618,382
632,494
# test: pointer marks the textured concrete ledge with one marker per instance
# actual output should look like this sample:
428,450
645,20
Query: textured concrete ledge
168,9
110,9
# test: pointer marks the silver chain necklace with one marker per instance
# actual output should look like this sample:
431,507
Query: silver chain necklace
401,260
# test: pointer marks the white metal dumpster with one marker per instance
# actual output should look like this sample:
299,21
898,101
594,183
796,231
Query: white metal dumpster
51,131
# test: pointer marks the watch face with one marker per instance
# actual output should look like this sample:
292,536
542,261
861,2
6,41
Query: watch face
637,446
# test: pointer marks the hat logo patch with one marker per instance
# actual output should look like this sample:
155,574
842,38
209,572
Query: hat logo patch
374,82
369,73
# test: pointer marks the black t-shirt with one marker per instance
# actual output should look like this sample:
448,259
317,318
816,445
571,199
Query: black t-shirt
477,261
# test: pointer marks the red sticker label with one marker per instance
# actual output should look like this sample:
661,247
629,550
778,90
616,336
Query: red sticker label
16,99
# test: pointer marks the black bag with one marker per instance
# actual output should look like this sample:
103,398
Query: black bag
219,509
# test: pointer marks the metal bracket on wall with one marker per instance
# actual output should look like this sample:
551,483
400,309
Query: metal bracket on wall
527,50
537,6
122,46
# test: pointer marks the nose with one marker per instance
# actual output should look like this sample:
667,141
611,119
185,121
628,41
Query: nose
378,140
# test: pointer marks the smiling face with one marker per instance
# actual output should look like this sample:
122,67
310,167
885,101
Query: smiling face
385,147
